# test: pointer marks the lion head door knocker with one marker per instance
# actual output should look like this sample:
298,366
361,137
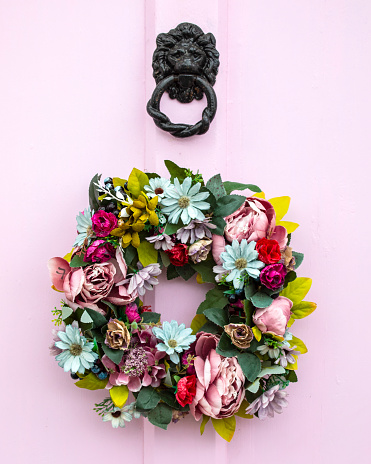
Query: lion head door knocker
185,64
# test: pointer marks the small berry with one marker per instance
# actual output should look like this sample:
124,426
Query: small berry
108,180
232,299
109,186
240,294
95,369
101,208
74,376
116,212
111,207
102,375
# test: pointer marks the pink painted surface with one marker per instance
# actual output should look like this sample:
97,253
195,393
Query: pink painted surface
293,117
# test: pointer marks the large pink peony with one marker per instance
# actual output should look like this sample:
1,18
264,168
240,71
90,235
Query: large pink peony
85,287
254,220
274,318
220,381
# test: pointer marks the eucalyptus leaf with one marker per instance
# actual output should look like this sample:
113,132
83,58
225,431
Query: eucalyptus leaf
220,224
231,186
250,365
261,300
299,257
93,193
228,205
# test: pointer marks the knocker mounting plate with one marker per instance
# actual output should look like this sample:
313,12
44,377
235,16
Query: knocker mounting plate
185,64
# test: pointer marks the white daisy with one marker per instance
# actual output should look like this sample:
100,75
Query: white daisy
158,187
240,259
185,202
77,354
84,226
118,417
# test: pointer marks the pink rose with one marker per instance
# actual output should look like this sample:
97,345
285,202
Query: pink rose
99,252
220,381
103,223
274,318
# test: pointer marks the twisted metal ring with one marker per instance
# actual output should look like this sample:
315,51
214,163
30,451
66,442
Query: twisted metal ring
182,130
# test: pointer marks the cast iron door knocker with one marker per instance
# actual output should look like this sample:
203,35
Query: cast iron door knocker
185,64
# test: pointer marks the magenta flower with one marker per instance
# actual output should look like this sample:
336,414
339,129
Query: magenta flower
273,276
99,252
140,365
220,381
131,312
103,223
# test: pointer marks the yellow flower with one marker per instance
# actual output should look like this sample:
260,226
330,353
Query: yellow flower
138,213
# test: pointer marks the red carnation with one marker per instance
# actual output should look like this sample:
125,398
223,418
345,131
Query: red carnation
186,390
178,254
269,251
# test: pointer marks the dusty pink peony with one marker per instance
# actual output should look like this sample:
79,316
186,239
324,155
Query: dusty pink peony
220,381
99,252
103,223
274,318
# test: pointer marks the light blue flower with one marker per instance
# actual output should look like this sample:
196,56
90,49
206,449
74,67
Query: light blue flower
84,226
77,354
241,259
176,339
185,202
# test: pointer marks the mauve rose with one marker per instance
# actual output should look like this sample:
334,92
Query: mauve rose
85,287
99,252
220,381
273,276
103,223
274,318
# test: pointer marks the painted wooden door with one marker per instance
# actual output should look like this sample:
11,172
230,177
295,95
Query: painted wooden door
293,117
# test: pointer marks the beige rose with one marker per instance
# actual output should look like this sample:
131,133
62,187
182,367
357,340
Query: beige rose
199,250
241,335
288,258
117,335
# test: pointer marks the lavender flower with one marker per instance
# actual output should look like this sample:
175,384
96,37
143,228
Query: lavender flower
195,230
287,356
143,280
135,362
161,242
271,401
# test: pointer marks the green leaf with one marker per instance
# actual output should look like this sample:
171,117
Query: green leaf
91,382
228,205
291,376
119,395
241,412
299,257
225,427
250,289
150,318
216,187
111,306
225,347
114,355
148,398
261,300
152,175
186,271
147,253
249,311
302,309
197,322
168,397
93,193
297,290
86,319
205,420
171,229
175,171
165,258
231,186
214,299
78,261
66,312
131,254
217,315
299,344
220,225
172,272
161,416
250,365
98,319
290,276
136,182
210,327
205,269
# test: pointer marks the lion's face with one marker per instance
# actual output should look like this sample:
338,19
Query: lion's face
187,58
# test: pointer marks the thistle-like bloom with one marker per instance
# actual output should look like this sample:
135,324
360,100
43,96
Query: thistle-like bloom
161,242
271,401
176,339
84,226
158,187
118,416
143,280
195,230
77,354
185,202
240,259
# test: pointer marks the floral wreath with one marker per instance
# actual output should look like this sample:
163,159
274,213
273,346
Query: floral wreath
238,356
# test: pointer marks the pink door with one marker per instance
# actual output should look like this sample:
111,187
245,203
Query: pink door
293,117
